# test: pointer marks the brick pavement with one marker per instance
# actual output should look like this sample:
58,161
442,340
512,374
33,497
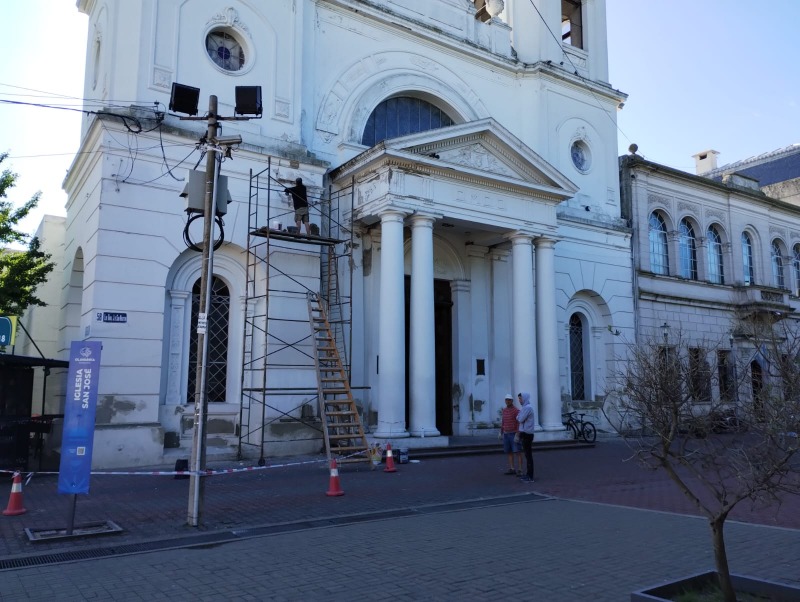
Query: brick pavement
548,550
150,508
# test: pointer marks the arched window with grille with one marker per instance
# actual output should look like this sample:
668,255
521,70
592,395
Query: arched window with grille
577,362
217,333
688,250
748,266
778,278
400,116
796,268
659,253
716,271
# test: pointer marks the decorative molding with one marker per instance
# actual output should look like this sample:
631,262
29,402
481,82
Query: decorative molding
162,78
779,231
229,17
692,207
477,156
477,251
282,108
657,199
715,214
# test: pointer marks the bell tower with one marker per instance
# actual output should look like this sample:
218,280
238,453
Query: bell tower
564,32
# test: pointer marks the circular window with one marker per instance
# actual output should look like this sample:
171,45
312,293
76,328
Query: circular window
581,156
225,50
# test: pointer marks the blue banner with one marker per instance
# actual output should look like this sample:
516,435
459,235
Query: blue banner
79,411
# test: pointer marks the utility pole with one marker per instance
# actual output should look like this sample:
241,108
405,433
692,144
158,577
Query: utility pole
184,99
198,461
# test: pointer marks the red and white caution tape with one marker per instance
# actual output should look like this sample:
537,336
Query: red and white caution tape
202,473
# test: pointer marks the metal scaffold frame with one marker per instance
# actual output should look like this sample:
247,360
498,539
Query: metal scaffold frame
275,341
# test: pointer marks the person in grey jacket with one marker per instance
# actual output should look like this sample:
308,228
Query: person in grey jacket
527,424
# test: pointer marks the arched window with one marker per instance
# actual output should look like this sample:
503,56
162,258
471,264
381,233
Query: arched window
778,280
217,333
748,266
400,116
688,250
757,387
659,255
796,266
716,272
576,357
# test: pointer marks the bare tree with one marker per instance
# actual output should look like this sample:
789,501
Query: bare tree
719,417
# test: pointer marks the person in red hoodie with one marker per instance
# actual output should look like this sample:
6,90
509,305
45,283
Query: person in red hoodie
508,431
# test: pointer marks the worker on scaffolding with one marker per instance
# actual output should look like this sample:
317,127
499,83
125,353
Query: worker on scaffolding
300,200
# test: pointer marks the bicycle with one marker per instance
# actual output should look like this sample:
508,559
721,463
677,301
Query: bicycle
580,428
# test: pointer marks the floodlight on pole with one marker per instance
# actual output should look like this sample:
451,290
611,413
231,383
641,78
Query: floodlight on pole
184,99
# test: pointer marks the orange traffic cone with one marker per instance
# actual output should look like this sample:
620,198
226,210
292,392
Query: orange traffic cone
334,488
389,459
15,500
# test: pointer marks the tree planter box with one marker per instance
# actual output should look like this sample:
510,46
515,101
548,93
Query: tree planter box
779,592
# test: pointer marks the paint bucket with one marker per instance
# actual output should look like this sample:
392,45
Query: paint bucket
403,455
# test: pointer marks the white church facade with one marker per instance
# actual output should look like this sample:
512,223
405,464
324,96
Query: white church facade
476,145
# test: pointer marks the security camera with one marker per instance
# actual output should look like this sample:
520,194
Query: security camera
228,140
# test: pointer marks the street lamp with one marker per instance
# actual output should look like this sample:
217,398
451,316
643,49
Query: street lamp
184,99
665,332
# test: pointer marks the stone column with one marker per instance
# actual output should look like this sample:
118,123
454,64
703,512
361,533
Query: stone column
392,330
480,305
462,355
422,352
547,336
522,312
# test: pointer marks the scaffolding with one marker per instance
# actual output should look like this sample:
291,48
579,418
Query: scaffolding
288,272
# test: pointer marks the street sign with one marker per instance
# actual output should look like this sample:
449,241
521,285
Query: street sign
8,330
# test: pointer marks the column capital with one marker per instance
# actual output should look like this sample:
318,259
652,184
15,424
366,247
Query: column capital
422,220
392,215
477,251
460,286
176,295
544,242
500,254
520,238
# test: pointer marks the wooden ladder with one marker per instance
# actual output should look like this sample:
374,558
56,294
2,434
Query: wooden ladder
342,427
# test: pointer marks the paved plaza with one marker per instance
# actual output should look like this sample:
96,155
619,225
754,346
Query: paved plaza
594,526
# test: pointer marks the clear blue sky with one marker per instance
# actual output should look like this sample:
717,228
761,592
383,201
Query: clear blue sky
700,74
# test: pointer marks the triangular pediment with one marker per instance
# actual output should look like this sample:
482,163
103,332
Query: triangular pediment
483,150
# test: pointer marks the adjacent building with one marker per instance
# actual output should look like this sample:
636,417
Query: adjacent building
712,249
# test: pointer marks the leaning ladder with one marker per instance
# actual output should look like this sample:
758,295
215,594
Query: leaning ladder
342,428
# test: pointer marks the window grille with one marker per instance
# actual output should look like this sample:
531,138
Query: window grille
747,260
576,357
716,271
778,281
688,251
217,333
659,254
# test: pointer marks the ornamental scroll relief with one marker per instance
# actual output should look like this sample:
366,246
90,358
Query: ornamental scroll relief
229,17
477,156
657,199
